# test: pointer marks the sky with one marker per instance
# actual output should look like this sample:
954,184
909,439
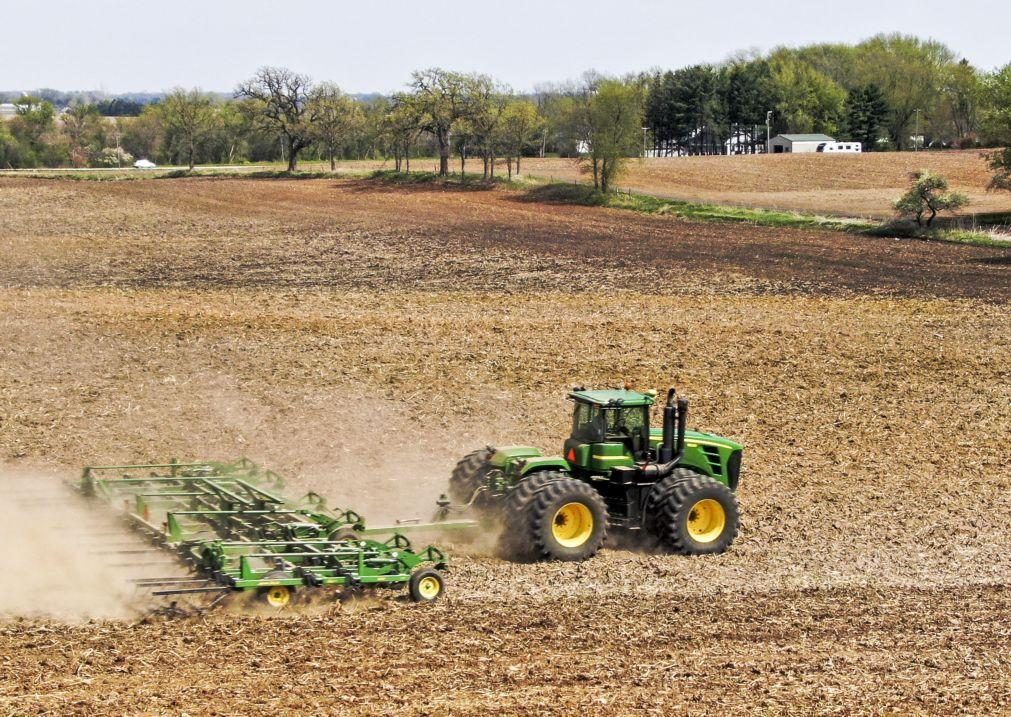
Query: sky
371,46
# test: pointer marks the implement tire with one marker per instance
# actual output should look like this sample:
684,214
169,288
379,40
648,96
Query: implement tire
468,475
426,585
563,519
694,514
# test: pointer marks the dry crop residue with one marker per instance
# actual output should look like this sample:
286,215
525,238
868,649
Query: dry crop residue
362,337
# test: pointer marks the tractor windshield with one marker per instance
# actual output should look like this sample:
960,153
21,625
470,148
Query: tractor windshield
586,424
625,421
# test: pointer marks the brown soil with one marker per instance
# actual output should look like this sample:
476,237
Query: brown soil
361,337
853,185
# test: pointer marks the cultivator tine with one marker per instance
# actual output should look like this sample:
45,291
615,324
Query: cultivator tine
167,580
190,591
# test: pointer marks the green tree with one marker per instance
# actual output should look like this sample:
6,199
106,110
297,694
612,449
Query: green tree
442,98
280,106
83,127
909,72
808,100
961,94
997,124
400,129
564,120
143,136
866,114
487,109
928,195
33,127
188,115
682,102
750,92
521,123
334,117
613,121
11,151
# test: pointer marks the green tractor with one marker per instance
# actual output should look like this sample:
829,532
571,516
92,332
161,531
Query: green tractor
674,485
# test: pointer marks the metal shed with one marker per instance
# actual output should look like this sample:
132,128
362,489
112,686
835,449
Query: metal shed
793,143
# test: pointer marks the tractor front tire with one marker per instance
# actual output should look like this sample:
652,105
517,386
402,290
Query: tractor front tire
562,519
468,475
695,515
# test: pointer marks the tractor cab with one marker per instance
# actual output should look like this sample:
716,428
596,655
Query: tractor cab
610,429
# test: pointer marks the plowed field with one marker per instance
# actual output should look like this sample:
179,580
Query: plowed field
360,337
852,185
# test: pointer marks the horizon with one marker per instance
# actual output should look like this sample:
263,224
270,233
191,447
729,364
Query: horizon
250,37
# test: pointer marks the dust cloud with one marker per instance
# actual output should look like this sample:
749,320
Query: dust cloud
358,450
57,558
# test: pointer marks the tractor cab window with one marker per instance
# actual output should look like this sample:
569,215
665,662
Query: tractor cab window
586,423
625,421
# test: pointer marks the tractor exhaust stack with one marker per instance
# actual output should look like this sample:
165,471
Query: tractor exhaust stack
675,420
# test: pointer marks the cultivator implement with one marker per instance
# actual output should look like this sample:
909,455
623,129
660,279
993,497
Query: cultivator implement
231,527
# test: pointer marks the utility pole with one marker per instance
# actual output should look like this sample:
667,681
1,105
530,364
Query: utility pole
644,129
768,125
916,136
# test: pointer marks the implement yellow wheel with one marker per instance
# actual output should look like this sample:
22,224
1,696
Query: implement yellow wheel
429,587
572,525
277,596
706,520
426,585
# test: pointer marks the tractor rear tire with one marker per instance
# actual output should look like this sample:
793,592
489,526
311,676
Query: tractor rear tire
563,519
468,475
514,543
695,514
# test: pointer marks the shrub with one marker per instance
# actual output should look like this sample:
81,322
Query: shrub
928,195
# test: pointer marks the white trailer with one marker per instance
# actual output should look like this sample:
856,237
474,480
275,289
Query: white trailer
840,147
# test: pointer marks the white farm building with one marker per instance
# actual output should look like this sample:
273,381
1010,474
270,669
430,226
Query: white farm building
796,143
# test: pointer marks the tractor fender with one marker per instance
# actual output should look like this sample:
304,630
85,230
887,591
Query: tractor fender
544,463
507,455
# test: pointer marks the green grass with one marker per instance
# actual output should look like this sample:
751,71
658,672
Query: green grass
648,204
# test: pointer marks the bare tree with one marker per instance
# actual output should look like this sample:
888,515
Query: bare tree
333,117
281,104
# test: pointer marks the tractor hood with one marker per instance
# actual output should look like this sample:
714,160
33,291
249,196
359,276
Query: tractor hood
698,438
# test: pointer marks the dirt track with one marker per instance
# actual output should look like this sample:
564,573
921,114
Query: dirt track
869,380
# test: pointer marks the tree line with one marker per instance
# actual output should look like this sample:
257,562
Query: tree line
882,92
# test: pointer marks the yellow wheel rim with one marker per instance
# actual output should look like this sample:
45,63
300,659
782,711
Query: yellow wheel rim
278,596
429,587
572,525
706,520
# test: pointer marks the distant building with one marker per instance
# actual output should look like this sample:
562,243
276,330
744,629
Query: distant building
7,110
796,143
